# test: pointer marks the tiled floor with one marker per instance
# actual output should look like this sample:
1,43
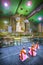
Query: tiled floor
10,56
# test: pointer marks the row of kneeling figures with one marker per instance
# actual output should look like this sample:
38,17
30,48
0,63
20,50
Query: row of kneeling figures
31,51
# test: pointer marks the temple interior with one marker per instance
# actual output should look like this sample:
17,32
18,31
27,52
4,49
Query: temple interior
21,25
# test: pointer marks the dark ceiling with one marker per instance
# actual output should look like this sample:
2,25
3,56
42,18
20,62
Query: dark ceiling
21,7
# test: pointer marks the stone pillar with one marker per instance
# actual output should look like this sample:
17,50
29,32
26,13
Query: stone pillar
39,27
42,27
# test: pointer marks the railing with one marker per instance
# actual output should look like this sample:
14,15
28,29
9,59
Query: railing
27,34
18,38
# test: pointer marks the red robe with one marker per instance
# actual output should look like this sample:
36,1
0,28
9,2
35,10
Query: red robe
23,55
32,51
37,46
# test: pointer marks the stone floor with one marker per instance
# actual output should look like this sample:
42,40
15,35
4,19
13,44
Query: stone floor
10,56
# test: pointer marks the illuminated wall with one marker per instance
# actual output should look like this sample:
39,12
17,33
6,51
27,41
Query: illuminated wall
4,23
